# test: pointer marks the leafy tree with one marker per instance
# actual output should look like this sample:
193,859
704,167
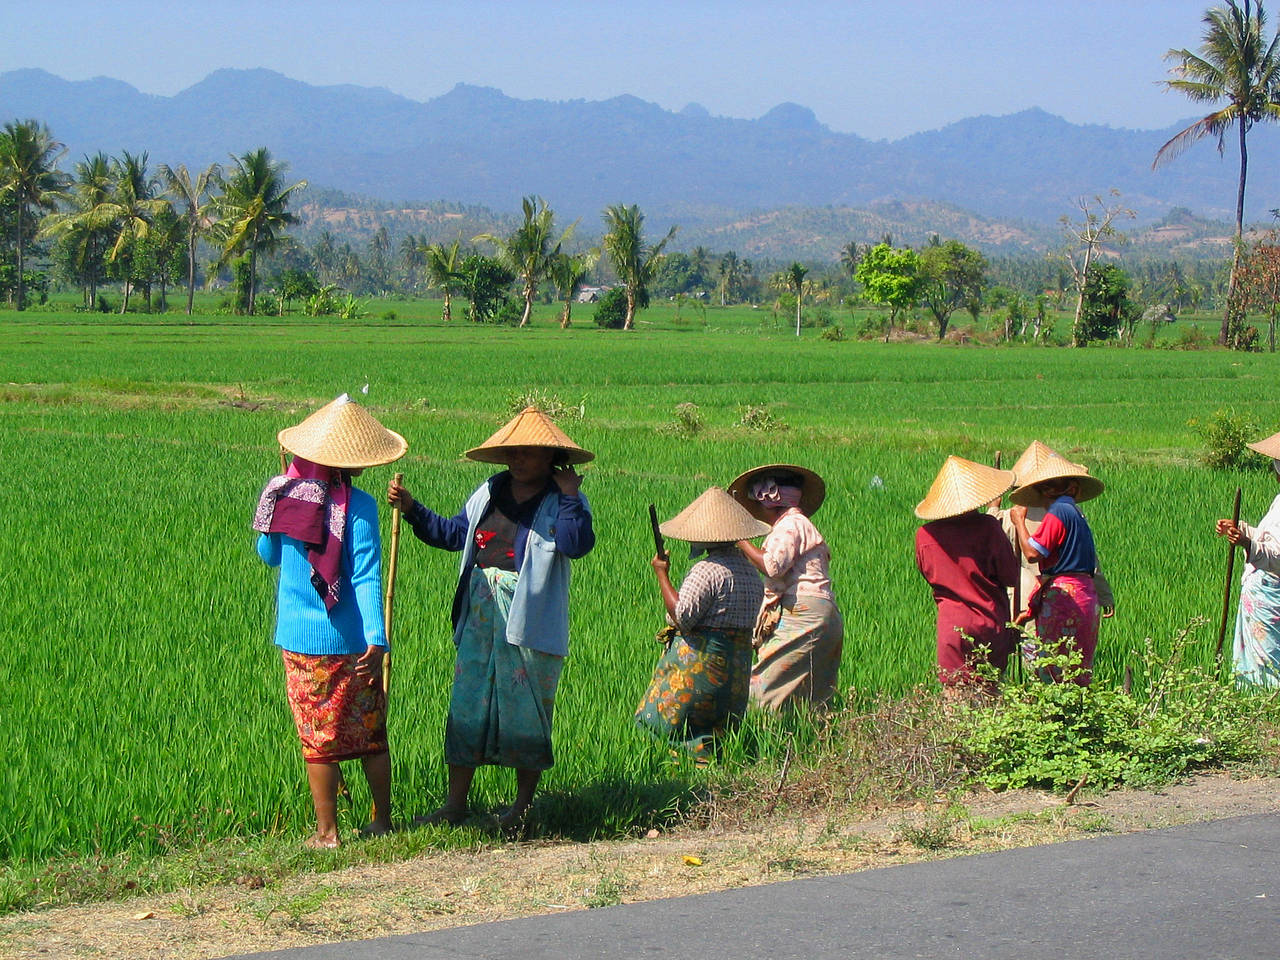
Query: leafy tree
192,200
484,281
1087,236
890,277
294,284
528,251
29,177
611,311
699,265
1237,63
253,210
632,258
951,276
568,271
443,272
1258,283
1107,309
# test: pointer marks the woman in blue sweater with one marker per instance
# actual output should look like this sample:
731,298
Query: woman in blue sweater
323,535
517,533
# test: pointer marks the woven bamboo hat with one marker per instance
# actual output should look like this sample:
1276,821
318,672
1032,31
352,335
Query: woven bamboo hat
960,486
1056,468
1032,457
813,489
528,428
715,517
1269,447
343,434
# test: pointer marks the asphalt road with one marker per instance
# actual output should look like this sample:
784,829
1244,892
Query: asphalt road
1209,890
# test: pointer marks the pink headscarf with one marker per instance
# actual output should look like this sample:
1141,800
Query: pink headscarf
309,503
768,492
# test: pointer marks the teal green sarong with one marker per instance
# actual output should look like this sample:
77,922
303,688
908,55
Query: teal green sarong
503,695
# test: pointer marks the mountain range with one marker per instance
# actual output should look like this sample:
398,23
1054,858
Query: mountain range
714,175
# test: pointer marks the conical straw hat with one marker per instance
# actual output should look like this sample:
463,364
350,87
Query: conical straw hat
343,434
1268,447
813,490
715,517
960,486
1032,457
1055,468
528,428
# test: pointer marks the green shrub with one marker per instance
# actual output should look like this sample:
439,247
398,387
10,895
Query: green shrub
687,422
611,311
1225,435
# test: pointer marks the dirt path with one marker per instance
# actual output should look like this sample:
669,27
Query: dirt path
516,880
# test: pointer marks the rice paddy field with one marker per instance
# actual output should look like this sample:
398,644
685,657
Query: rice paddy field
141,699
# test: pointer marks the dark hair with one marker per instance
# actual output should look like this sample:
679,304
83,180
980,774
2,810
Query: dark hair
559,457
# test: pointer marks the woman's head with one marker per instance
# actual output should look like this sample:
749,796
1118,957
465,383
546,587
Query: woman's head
530,465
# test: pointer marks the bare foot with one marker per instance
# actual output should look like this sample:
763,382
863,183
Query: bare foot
375,829
446,814
513,822
320,842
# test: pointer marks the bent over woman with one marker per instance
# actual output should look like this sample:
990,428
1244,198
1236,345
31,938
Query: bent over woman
517,533
323,535
799,634
700,686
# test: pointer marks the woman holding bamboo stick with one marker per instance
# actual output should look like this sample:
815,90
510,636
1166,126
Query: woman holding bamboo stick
1257,635
517,533
323,535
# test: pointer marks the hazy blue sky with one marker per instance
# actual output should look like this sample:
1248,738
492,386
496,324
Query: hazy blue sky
880,70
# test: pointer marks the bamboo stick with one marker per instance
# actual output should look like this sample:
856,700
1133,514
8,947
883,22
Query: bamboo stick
1226,591
389,603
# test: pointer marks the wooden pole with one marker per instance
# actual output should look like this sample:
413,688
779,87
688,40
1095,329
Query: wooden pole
389,603
1226,591
284,464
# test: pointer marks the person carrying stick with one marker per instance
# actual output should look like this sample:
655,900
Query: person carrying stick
1256,646
322,533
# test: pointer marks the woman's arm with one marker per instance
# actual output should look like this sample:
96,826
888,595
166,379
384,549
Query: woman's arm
1018,514
427,525
269,548
575,535
661,567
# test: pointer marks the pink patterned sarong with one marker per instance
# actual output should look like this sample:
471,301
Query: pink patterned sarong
1067,620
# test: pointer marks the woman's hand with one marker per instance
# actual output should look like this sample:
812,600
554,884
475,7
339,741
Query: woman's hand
1232,531
661,566
567,479
1018,513
370,664
399,496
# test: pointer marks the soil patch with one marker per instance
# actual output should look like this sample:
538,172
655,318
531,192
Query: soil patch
524,879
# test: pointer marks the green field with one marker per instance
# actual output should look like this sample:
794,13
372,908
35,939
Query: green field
141,701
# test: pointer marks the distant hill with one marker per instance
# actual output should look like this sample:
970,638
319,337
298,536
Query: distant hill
737,183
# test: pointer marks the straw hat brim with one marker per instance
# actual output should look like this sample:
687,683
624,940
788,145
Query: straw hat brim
528,428
960,486
812,491
1268,446
1056,468
343,434
715,517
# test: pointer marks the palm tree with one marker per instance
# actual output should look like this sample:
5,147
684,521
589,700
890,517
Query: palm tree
699,263
528,251
633,260
730,268
567,272
411,257
29,176
1237,64
130,209
79,227
191,196
253,210
441,264
850,254
795,275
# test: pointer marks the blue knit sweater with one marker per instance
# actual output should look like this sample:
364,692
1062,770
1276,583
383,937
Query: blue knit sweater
303,625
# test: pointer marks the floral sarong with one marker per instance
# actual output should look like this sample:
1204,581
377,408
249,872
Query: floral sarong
503,695
699,688
339,715
801,661
1257,637
1067,620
